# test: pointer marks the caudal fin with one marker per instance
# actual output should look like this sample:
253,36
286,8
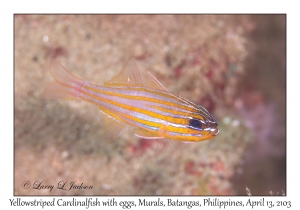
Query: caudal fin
66,85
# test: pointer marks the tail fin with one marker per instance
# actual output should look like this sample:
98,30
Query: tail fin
66,85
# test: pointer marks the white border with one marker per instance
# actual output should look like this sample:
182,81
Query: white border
154,6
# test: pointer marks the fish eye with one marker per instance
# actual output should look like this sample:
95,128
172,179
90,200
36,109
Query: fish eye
195,123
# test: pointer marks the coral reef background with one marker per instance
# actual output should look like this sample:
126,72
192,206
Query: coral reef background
233,65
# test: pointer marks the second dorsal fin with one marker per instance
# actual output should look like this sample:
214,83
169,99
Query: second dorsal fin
153,83
129,76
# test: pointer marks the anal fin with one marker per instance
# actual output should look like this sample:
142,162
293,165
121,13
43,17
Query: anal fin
113,128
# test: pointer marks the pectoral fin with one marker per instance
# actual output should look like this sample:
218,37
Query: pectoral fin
146,134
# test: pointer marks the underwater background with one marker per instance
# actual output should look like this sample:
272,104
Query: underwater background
233,65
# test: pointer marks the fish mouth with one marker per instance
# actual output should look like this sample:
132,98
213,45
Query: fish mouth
215,131
215,134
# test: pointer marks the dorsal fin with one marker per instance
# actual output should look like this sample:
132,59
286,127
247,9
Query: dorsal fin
153,83
129,76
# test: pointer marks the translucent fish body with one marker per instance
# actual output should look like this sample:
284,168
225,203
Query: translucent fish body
142,102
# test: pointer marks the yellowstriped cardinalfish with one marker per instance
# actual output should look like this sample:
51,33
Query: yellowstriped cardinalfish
143,102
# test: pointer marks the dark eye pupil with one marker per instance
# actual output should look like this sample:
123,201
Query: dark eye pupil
195,123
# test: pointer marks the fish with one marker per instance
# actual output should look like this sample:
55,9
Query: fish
131,98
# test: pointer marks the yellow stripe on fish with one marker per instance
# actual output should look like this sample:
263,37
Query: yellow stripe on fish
130,99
